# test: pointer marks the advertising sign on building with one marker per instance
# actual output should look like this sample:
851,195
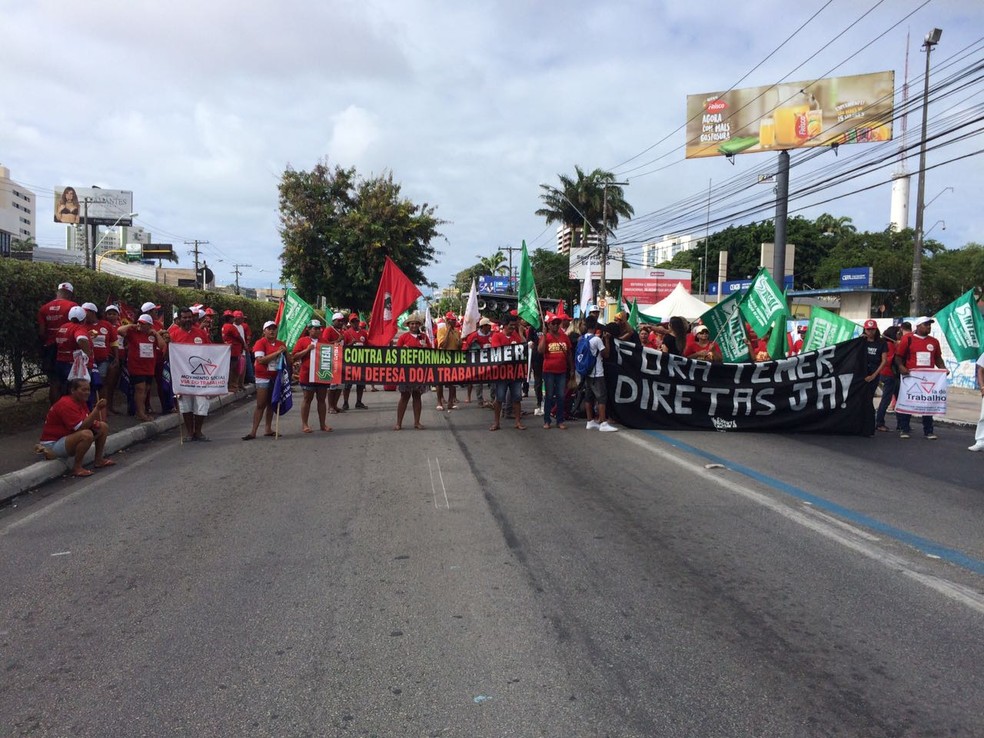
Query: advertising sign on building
857,277
791,115
102,207
729,288
496,285
585,260
649,286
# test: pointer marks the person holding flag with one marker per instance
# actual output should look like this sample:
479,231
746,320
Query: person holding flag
303,348
266,352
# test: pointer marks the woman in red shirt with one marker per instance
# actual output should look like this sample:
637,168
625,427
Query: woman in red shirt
415,338
267,352
306,344
141,359
70,429
558,365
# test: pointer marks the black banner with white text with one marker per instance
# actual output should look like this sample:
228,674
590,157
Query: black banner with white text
406,365
822,391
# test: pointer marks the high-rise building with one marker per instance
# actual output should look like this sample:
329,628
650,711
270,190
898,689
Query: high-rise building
659,252
18,213
568,237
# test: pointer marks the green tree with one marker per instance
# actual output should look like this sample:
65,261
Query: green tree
337,230
22,244
551,272
584,195
494,264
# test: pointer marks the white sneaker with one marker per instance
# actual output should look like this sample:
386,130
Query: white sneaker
439,407
592,425
979,446
607,427
539,410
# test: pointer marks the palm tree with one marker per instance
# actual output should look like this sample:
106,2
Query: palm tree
494,264
579,202
828,225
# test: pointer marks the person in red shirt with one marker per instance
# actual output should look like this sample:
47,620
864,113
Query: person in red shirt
918,350
797,346
558,367
306,344
702,348
143,343
266,352
889,378
71,336
474,342
70,428
334,334
513,389
51,316
109,323
354,335
415,338
193,408
237,346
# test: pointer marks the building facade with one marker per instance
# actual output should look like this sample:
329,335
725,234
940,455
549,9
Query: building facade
18,212
568,237
662,251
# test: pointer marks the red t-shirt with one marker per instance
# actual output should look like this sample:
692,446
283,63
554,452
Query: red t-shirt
304,372
501,339
51,316
558,349
195,335
355,337
419,340
330,335
67,339
141,353
889,358
63,418
694,347
104,337
477,337
262,348
232,336
918,352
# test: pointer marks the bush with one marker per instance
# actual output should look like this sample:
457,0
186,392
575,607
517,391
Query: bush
25,286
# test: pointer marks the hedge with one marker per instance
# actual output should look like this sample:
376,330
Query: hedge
25,286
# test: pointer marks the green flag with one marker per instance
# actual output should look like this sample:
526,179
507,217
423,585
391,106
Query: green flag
294,319
826,329
725,323
963,326
643,318
778,341
634,315
762,302
529,304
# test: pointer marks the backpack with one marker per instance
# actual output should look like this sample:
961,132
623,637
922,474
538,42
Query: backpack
584,360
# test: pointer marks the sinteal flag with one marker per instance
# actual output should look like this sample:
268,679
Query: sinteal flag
762,302
778,339
826,329
963,326
726,325
529,303
295,317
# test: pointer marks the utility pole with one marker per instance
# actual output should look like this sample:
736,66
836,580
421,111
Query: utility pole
235,270
510,249
604,240
194,251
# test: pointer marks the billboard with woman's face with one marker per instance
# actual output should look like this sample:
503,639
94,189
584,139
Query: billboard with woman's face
101,207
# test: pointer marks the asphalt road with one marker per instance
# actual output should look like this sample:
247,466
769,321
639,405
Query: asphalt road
456,582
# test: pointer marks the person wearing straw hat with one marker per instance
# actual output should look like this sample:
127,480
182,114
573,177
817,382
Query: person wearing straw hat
415,338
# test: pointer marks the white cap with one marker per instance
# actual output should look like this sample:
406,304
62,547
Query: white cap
594,309
148,306
67,286
145,319
270,324
484,321
76,313
338,316
315,323
90,306
110,307
924,319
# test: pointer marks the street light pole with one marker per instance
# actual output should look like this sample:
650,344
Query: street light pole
604,238
932,38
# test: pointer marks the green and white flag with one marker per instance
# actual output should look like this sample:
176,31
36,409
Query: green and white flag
963,326
294,319
779,339
634,315
529,304
826,329
726,325
762,302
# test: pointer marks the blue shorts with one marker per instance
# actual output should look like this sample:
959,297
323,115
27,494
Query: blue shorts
58,447
514,389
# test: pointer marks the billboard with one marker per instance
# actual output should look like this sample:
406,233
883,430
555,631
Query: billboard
857,277
740,285
649,286
496,285
791,115
584,257
103,207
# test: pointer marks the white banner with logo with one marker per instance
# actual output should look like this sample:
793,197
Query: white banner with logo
922,392
199,369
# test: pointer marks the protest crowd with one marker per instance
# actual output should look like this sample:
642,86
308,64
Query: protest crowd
92,356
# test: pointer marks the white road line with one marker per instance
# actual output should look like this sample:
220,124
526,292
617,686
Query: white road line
444,489
956,592
840,523
433,487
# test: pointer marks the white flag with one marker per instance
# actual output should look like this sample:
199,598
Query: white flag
429,326
199,369
587,293
470,323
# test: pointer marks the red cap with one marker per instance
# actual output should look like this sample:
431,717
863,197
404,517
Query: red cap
238,314
353,316
869,324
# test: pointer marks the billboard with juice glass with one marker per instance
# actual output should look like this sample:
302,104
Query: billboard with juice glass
791,115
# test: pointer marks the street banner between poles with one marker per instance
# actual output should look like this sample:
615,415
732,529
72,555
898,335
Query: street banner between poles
335,364
199,369
819,392
922,392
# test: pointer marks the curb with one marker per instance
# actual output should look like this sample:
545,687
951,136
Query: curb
41,472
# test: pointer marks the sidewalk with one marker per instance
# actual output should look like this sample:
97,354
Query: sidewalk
20,469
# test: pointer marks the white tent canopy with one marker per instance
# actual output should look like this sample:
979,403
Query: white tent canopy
679,302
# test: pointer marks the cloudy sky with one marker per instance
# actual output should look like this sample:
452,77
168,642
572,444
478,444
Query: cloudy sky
197,106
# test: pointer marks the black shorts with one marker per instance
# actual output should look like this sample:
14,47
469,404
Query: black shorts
141,378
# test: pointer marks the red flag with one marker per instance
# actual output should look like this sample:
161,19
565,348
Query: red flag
280,312
396,293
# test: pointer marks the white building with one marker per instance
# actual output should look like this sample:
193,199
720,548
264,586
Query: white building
18,216
658,252
567,237
108,239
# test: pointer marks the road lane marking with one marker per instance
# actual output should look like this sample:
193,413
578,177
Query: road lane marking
444,491
957,592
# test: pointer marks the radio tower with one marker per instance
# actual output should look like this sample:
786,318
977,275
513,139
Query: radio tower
900,178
